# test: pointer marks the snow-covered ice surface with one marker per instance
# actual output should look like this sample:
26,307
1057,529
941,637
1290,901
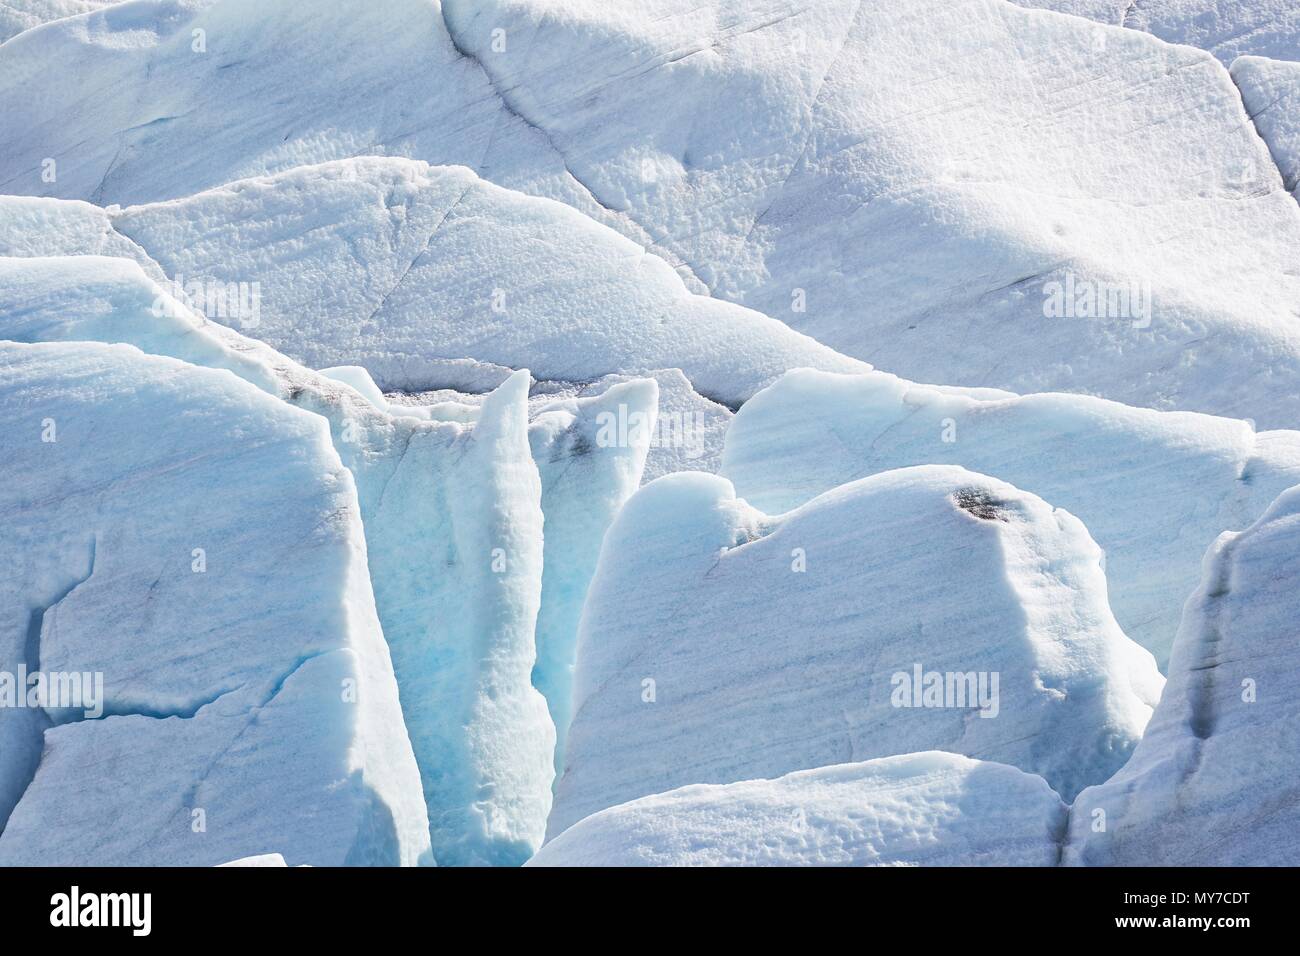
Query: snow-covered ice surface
221,731
1153,488
1271,91
1227,28
19,15
519,354
689,431
264,859
906,187
928,809
438,502
1104,11
388,263
706,654
1214,780
915,177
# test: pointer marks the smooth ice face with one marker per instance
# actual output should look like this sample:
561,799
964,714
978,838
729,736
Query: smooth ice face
1270,89
399,267
590,453
1213,782
453,526
720,644
1153,488
928,809
219,731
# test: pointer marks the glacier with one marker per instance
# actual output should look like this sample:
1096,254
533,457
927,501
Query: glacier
453,524
1213,781
223,730
887,231
1270,90
703,658
649,432
1153,488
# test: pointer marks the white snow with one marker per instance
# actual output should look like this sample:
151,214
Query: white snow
389,262
19,15
222,730
264,859
1270,90
720,644
1153,488
1227,28
1105,11
913,180
928,809
916,176
1213,782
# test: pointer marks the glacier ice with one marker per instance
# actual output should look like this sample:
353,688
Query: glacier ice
868,199
1270,89
910,182
1153,488
1227,28
453,526
590,453
1213,781
927,809
388,263
223,730
706,655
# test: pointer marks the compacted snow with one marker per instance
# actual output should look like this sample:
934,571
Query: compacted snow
1270,89
649,432
927,809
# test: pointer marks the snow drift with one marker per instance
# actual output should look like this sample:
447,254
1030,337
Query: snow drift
931,809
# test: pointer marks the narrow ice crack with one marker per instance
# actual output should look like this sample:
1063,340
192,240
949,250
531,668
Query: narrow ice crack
644,236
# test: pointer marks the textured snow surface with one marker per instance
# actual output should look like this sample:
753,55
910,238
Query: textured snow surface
706,656
1271,91
904,185
1153,488
1214,780
928,809
390,263
275,726
1227,28
949,160
438,502
19,15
